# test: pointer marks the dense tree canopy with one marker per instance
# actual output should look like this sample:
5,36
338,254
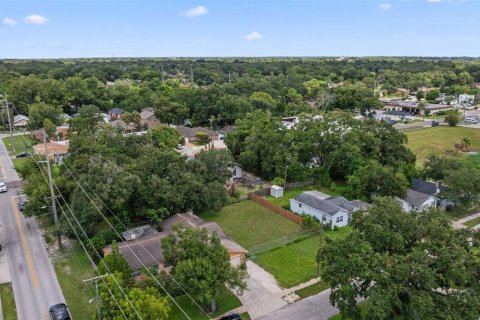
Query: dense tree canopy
407,266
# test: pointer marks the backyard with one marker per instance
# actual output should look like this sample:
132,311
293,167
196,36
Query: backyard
284,201
295,263
250,224
441,141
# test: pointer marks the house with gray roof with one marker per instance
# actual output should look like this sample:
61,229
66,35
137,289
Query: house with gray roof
417,201
326,208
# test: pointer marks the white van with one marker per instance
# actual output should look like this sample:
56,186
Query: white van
471,120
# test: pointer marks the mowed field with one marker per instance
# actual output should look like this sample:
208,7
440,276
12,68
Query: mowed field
441,141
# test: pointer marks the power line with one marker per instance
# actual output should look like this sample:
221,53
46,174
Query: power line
108,222
123,225
37,163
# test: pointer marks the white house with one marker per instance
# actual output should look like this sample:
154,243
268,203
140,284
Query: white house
466,98
324,207
417,201
20,121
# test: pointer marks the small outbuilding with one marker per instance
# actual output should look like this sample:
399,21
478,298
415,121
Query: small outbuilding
276,191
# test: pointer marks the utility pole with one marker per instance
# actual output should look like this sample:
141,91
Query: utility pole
52,192
162,73
285,179
97,297
9,124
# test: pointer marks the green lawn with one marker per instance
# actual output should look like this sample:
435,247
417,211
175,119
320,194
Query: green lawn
287,195
295,263
362,313
8,302
71,269
19,143
440,141
312,290
250,224
245,316
473,160
472,223
226,301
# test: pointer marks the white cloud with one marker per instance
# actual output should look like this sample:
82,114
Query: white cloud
35,19
9,22
385,6
196,12
254,35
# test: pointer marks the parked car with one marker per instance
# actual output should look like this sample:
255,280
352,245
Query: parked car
59,312
3,187
471,120
233,316
21,205
179,147
22,155
435,123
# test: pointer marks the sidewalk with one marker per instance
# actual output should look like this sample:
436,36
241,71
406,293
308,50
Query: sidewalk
459,224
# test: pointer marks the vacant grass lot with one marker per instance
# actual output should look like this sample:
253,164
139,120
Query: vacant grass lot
8,302
473,222
440,141
226,301
71,269
19,142
250,224
295,263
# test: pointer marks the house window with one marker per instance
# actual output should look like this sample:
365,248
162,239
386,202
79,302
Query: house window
324,218
339,219
299,205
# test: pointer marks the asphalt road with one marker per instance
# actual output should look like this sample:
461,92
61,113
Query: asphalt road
35,285
316,307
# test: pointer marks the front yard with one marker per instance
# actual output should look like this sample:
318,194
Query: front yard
9,309
71,269
225,302
250,224
19,143
295,263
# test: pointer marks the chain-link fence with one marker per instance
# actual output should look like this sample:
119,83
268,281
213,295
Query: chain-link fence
281,242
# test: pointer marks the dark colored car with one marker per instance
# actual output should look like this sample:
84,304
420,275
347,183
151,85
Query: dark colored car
233,316
435,123
21,205
22,155
59,312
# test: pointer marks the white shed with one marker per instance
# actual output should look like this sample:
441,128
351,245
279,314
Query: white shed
276,191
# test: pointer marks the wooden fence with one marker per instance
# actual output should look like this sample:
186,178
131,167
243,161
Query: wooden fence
279,210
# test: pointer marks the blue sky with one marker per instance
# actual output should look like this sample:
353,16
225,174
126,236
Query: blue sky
162,28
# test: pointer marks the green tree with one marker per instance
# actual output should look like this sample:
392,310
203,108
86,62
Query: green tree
165,137
202,137
132,118
201,264
120,301
452,118
116,262
463,186
40,111
409,266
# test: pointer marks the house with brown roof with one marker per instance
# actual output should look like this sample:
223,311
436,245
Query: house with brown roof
144,248
190,134
148,119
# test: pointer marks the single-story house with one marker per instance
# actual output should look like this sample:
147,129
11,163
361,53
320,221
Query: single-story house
144,247
148,119
326,208
398,115
115,113
56,150
61,134
466,98
20,121
121,124
423,195
290,122
190,134
417,201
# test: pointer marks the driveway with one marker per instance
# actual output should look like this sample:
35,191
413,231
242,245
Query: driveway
459,224
263,295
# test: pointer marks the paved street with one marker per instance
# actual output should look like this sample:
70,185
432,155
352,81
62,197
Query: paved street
316,307
35,285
